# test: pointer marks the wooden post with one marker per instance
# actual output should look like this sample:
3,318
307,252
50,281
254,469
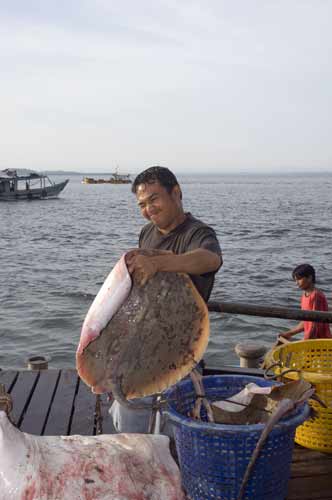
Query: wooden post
6,402
38,363
250,354
270,311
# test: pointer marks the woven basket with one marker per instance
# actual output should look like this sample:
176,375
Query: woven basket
310,360
213,457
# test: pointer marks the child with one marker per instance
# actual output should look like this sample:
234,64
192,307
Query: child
312,299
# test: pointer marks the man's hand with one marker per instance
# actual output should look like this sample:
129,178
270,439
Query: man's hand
147,262
145,267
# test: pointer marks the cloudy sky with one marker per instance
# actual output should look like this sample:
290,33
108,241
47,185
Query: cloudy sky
194,85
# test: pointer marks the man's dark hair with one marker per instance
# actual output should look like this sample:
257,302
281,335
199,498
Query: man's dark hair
163,175
304,271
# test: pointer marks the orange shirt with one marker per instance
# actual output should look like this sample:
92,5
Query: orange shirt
316,301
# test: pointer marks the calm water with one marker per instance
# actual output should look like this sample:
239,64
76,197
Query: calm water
55,254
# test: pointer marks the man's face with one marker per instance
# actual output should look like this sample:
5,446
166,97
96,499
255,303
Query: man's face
157,205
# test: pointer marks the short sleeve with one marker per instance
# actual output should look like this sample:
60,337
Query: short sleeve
140,238
319,302
204,237
144,235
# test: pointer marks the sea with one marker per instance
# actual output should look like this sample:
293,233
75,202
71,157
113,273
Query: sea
55,255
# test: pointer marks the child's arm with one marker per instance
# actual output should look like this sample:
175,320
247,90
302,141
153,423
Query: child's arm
293,331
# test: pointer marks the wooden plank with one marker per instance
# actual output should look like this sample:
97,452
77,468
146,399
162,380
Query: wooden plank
310,463
58,421
310,488
270,311
309,469
83,418
301,454
232,370
8,378
106,422
311,474
21,394
35,416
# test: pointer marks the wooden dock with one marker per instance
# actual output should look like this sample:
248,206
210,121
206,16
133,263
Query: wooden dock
57,402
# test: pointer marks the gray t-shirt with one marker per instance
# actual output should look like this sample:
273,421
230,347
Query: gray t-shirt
190,235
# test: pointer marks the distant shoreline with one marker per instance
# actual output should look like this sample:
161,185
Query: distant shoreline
238,173
200,174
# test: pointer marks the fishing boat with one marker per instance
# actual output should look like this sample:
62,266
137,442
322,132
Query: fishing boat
119,179
29,186
114,179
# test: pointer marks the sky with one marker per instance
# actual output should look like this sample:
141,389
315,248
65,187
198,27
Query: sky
194,85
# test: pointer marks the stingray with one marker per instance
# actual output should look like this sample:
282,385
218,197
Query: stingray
139,339
122,466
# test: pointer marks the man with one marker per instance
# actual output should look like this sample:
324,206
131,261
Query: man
194,245
188,246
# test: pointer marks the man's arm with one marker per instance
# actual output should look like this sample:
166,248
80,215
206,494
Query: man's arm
199,261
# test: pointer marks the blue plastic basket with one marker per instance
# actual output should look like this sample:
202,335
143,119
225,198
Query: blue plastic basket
213,457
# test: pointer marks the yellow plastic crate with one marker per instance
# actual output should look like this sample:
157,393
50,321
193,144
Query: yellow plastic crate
310,360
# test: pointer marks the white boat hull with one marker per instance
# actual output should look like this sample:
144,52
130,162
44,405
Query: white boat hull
34,193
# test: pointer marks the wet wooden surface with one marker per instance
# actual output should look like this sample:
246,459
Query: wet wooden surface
311,475
57,402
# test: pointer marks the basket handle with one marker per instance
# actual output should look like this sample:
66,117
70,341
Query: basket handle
273,376
168,418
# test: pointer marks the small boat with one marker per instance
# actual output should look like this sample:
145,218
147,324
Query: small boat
114,179
29,186
90,180
119,179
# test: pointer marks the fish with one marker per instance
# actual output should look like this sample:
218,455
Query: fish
121,466
139,339
268,405
283,401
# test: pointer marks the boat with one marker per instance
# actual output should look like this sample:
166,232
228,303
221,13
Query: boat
114,179
28,186
119,179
